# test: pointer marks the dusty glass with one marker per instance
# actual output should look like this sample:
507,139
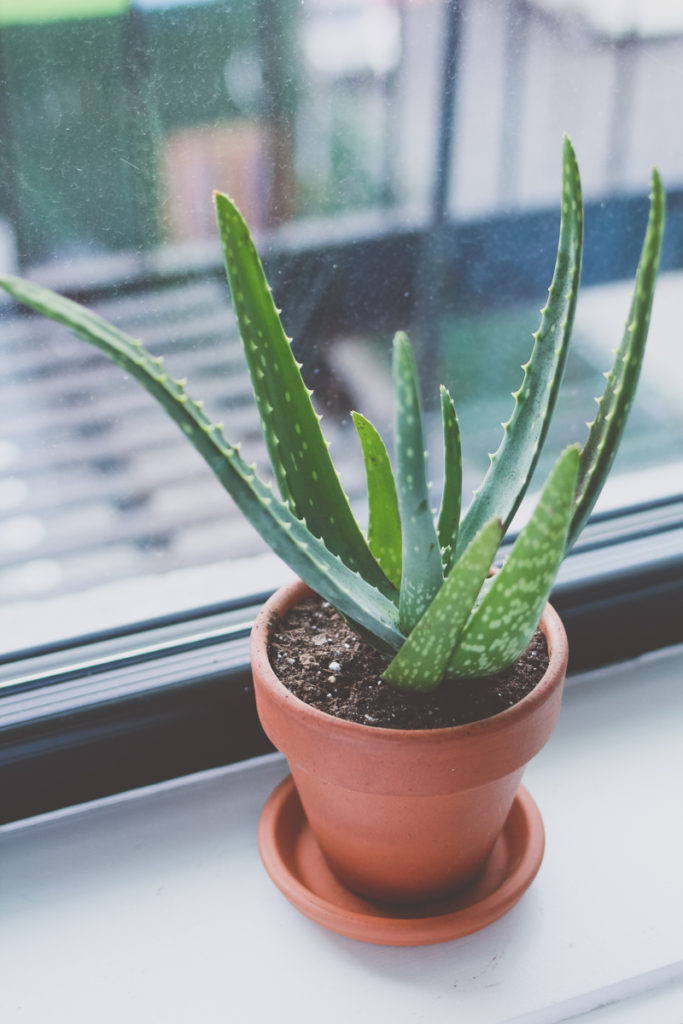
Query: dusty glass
400,164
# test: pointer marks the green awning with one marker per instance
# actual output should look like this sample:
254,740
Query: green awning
25,12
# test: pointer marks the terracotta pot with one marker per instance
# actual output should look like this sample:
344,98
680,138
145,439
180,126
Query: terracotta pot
404,815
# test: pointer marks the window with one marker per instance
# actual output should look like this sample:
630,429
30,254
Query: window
400,162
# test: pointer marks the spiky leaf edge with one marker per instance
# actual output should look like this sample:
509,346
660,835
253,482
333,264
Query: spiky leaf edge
283,532
504,621
420,664
449,511
384,521
614,406
422,573
524,433
298,452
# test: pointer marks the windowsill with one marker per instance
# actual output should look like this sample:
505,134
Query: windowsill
153,905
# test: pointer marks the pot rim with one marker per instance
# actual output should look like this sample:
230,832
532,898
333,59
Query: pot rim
292,593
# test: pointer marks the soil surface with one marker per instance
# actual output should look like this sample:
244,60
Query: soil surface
321,660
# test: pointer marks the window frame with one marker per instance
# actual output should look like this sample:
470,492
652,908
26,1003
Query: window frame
174,696
102,714
182,700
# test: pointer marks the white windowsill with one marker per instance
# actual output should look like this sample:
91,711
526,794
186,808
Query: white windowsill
153,906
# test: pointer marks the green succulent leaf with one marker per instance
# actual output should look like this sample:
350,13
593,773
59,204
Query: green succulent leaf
422,574
615,404
416,591
512,465
449,512
384,521
421,663
280,528
297,449
504,622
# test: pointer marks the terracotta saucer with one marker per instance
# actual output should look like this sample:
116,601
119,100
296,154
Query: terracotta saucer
293,860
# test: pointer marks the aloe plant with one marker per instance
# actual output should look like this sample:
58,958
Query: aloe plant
419,587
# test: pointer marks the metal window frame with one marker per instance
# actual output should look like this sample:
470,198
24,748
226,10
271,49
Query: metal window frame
103,714
118,712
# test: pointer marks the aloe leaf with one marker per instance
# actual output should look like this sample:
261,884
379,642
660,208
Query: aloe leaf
297,449
449,512
524,433
421,663
615,404
280,528
384,522
422,574
504,622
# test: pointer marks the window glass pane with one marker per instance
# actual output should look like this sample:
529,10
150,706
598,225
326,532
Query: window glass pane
400,164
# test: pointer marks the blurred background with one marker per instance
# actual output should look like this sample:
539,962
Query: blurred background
399,162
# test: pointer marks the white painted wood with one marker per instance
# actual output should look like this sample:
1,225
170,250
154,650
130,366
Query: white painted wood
153,906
